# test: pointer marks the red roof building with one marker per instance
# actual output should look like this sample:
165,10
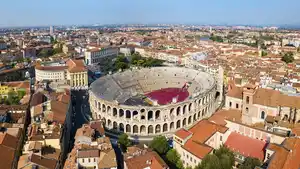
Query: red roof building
246,146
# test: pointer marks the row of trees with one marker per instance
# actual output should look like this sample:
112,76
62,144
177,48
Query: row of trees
288,57
13,98
136,59
49,52
221,158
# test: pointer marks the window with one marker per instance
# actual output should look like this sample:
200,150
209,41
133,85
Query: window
221,138
191,159
268,155
194,161
83,160
89,160
247,99
262,115
237,106
247,109
230,104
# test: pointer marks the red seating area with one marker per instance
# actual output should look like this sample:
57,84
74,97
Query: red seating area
165,96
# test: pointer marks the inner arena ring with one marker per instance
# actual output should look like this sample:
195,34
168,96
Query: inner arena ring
122,101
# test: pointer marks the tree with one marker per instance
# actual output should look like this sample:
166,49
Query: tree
264,53
224,153
222,158
160,145
210,161
45,53
250,163
124,142
288,57
174,159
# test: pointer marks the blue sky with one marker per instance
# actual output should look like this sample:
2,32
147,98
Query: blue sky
67,12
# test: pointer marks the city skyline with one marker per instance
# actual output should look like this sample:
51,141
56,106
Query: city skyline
217,12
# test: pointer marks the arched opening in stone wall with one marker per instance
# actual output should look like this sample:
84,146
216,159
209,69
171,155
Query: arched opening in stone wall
172,126
150,129
104,122
190,120
157,114
115,125
135,129
195,117
95,103
178,111
165,127
135,114
103,108
199,102
108,109
184,122
121,113
178,124
128,128
128,114
150,115
172,112
285,117
157,128
199,115
190,107
184,109
142,110
203,101
143,129
99,106
217,95
143,117
115,112
121,127
109,123
202,113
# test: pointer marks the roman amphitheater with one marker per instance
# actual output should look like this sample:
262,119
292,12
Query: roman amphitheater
154,101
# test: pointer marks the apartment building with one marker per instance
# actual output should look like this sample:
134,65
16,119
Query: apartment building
3,45
71,72
139,158
92,149
95,55
194,144
223,128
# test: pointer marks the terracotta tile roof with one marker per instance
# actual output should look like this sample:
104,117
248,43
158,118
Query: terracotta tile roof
202,131
98,126
87,153
196,148
8,140
147,159
267,97
44,162
85,130
76,66
286,156
236,92
107,159
183,133
7,155
246,146
220,116
50,68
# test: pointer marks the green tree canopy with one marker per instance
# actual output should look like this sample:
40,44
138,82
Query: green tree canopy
288,57
124,141
174,159
250,163
222,158
160,145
